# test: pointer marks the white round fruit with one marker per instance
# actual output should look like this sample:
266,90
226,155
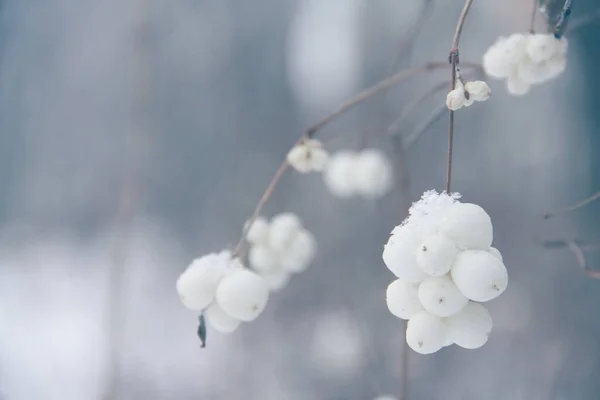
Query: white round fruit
426,333
197,285
479,275
282,230
471,327
496,253
242,295
441,297
399,254
436,254
469,226
276,281
262,258
402,299
258,231
219,320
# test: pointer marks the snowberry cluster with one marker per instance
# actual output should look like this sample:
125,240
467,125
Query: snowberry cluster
368,173
525,60
464,95
308,156
226,293
280,248
444,262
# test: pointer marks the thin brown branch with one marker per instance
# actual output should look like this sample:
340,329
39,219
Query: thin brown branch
454,61
410,139
379,87
533,14
574,207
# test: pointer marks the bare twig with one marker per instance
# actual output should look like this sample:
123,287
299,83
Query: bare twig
533,14
561,244
454,61
574,207
578,251
563,19
410,139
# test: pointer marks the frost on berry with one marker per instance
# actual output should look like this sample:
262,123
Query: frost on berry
471,327
440,296
308,156
219,320
258,231
426,215
374,174
339,173
399,254
242,294
479,275
426,333
262,258
197,285
469,226
435,254
402,299
282,229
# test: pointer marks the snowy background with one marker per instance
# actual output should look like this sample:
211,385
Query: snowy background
193,122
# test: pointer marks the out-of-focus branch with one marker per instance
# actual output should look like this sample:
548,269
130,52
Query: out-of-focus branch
578,251
533,14
573,207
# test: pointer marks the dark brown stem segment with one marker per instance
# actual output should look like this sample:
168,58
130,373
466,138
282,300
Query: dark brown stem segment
453,58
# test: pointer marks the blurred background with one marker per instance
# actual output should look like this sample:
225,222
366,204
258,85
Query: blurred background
138,135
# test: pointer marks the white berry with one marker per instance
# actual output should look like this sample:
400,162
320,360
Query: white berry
402,299
276,281
197,285
441,297
308,156
478,90
426,333
282,229
219,320
435,254
242,294
258,231
373,174
479,275
469,226
262,258
471,327
399,254
339,173
494,251
301,252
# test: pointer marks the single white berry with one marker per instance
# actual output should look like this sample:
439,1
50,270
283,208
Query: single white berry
402,299
399,254
516,85
542,47
494,251
479,275
478,90
469,226
262,258
456,99
277,280
435,254
373,176
471,327
426,333
339,174
219,320
308,156
258,231
301,252
282,229
242,295
441,297
197,285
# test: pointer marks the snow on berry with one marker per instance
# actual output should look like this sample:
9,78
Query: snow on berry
436,254
525,60
197,285
242,294
471,327
443,256
368,173
289,248
426,333
402,299
441,297
479,275
308,156
219,319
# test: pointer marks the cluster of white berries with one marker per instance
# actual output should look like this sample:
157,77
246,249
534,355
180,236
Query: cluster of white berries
525,60
464,95
280,248
368,173
220,288
308,156
444,262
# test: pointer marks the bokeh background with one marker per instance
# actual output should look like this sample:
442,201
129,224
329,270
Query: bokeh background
137,135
